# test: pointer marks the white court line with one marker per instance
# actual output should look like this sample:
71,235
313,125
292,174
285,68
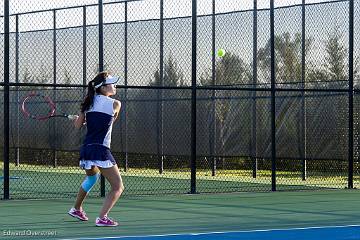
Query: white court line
209,233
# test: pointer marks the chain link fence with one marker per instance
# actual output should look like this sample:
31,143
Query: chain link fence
271,114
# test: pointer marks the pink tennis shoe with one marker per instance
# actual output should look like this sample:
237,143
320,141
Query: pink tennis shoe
78,214
106,222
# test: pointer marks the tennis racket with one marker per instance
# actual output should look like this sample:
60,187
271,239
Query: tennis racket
40,107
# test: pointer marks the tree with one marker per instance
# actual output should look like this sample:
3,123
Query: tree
336,54
230,70
288,55
335,67
67,76
44,76
155,113
288,69
96,69
173,76
27,77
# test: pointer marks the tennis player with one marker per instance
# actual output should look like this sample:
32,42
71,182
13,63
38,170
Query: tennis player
98,112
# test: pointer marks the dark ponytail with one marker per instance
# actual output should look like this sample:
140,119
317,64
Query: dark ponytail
89,99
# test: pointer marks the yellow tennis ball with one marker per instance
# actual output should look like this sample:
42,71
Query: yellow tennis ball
221,52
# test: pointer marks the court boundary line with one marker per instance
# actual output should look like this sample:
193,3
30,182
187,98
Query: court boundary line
209,233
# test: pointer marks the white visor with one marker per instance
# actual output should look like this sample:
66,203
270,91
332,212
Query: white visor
108,80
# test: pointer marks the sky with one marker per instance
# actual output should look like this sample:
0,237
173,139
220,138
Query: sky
137,10
233,34
172,6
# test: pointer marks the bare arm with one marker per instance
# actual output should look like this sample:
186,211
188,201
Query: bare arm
80,120
117,107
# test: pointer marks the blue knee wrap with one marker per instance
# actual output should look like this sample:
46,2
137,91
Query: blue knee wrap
89,182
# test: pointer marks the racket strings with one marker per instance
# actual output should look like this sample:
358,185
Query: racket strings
38,107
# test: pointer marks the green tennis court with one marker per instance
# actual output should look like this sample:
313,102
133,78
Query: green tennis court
184,214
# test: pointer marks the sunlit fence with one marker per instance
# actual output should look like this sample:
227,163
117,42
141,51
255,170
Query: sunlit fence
278,111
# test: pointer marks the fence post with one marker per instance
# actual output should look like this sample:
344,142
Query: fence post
193,97
351,94
253,143
212,138
17,148
303,102
126,84
6,99
159,115
101,68
84,49
273,96
54,138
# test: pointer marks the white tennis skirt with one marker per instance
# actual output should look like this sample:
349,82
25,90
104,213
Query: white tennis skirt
88,164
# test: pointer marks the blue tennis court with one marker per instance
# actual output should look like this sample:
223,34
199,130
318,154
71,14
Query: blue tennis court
311,233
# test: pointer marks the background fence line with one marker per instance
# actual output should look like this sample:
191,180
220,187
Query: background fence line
277,116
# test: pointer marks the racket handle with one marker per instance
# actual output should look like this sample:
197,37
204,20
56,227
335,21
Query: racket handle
72,117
